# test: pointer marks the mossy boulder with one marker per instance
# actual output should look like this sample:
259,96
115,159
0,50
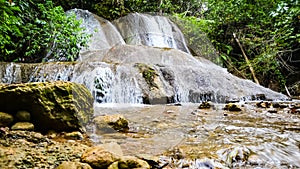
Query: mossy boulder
5,119
59,106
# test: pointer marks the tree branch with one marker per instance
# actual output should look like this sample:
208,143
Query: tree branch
246,59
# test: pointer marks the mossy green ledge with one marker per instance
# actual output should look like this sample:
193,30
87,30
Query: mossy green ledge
59,106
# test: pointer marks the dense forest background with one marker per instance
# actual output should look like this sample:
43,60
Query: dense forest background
254,39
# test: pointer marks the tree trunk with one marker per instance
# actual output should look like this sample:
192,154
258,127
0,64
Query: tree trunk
246,59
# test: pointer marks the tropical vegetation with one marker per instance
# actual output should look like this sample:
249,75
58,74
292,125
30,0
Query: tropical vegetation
36,30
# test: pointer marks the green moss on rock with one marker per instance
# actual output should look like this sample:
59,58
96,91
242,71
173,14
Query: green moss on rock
60,106
148,73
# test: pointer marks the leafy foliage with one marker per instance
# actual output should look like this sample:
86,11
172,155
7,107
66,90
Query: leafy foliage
33,30
266,30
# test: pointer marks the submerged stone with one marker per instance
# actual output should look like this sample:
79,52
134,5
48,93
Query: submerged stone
116,121
60,106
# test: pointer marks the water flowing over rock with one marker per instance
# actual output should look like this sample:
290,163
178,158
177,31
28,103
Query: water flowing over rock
117,78
144,29
154,67
104,34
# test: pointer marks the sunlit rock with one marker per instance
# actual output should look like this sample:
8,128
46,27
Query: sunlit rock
102,156
23,126
128,162
75,135
73,165
264,104
117,122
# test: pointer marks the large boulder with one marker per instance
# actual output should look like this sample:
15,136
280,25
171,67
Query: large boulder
60,106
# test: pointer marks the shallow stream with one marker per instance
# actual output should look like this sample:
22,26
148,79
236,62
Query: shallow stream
260,137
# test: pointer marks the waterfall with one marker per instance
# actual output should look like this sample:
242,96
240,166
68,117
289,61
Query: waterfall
157,31
10,73
133,29
109,86
109,68
104,34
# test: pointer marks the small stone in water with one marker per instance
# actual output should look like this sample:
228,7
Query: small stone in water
204,105
264,104
232,107
76,135
272,110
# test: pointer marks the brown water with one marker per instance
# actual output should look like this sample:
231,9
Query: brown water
261,138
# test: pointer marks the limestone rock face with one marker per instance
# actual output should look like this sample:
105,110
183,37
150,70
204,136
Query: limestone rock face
59,106
5,119
143,74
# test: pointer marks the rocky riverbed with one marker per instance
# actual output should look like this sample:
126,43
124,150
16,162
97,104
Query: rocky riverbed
28,149
236,135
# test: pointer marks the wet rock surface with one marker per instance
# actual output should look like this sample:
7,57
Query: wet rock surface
108,123
167,76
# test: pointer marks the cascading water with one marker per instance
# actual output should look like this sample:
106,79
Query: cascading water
157,31
51,72
123,73
104,34
107,66
108,85
10,73
126,87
